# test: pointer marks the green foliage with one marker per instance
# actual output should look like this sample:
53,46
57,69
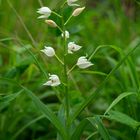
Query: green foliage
122,118
104,99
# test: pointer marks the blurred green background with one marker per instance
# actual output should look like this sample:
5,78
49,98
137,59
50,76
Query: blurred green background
104,22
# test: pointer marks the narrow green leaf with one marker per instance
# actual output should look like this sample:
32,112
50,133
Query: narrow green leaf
118,99
79,130
96,122
122,118
10,97
103,46
4,101
5,39
26,126
94,72
100,127
47,112
133,73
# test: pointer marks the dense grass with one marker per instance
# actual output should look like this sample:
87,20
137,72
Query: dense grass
104,98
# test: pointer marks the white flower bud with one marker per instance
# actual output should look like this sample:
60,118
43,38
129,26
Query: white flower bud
44,11
78,11
67,34
83,62
53,81
49,51
72,47
71,3
51,23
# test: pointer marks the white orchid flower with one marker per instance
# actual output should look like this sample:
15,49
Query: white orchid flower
72,2
72,47
49,51
83,62
44,11
78,11
51,23
67,34
53,81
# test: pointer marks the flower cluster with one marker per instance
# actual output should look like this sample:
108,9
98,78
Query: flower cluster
72,47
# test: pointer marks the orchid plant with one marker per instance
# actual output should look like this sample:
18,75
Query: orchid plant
69,48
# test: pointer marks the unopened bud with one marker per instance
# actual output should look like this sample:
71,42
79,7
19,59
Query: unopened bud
78,11
51,23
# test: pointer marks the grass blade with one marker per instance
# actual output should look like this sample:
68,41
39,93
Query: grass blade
118,99
96,122
94,72
27,125
122,118
100,127
4,101
10,97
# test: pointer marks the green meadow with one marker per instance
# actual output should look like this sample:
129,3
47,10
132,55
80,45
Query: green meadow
69,70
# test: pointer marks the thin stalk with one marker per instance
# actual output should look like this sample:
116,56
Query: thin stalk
40,2
22,22
59,28
63,4
59,59
68,20
103,46
56,14
66,81
73,67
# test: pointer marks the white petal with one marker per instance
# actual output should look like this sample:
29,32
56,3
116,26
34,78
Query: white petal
77,47
82,59
49,51
67,35
70,52
43,16
78,11
44,10
85,65
83,62
72,47
53,77
48,83
55,83
53,80
71,3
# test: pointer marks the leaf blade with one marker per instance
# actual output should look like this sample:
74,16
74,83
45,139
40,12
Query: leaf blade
118,99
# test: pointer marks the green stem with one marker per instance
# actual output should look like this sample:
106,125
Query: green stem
94,52
68,20
66,81
63,4
59,28
102,46
59,59
56,14
71,69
